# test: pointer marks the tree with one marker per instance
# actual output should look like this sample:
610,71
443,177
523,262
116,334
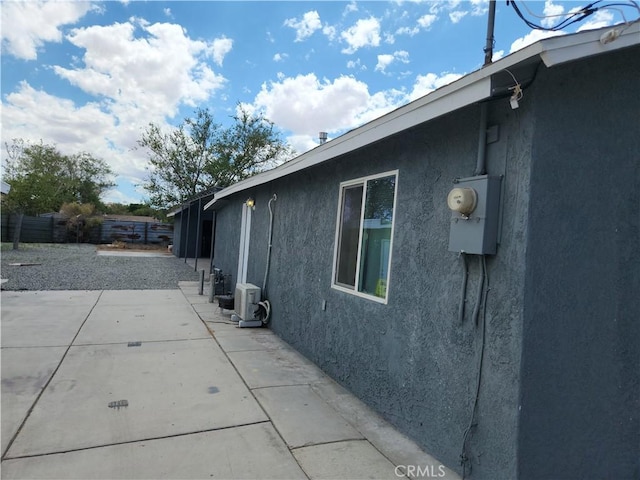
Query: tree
201,154
251,145
42,179
177,159
141,209
81,219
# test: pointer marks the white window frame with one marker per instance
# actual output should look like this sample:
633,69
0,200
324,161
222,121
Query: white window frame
362,181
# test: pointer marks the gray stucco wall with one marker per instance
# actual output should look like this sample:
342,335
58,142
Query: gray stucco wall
581,356
411,359
225,255
559,391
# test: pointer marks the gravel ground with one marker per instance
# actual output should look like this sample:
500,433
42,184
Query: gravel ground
78,267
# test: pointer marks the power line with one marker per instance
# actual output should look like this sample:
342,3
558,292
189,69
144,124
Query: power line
571,17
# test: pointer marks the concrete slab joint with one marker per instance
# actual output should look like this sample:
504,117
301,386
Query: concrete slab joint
150,384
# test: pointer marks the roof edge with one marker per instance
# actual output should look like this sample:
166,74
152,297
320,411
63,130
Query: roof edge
472,88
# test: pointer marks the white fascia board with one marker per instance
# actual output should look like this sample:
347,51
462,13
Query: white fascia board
566,48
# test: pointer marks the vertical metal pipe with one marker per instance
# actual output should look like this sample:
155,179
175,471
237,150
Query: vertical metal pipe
488,49
201,284
198,240
212,287
186,240
213,240
463,292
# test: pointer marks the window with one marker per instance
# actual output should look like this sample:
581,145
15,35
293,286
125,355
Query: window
363,235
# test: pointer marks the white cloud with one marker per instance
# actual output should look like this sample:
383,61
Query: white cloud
303,143
402,56
280,57
135,80
458,15
35,115
383,62
423,23
116,196
428,83
458,9
220,48
352,6
365,33
306,105
551,10
426,21
600,19
386,59
151,75
480,7
167,12
356,64
26,26
330,32
532,37
410,31
306,26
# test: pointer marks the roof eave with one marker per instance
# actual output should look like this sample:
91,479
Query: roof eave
472,88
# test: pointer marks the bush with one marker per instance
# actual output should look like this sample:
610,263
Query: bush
81,219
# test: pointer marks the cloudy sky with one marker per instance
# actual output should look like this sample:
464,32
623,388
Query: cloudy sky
90,76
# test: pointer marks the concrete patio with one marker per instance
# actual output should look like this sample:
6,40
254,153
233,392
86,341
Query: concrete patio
160,384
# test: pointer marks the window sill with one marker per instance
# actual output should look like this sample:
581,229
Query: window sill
359,294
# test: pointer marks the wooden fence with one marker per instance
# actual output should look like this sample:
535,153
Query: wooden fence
136,232
54,230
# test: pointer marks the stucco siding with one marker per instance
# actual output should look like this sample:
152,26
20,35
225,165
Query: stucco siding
411,360
580,374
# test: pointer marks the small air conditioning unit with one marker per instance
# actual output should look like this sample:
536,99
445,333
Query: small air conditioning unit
246,300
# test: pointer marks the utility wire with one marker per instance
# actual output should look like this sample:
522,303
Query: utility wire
571,17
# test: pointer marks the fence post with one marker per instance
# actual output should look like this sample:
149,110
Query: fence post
212,287
201,286
16,231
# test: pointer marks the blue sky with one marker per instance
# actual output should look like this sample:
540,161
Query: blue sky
90,76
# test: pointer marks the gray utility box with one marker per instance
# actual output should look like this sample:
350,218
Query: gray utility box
477,232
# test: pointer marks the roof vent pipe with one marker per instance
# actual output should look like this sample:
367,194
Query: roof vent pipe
323,137
488,48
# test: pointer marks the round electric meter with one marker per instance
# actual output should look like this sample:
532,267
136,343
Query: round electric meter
462,200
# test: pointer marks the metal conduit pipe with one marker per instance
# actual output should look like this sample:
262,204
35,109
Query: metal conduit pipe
186,240
198,236
465,276
476,310
266,272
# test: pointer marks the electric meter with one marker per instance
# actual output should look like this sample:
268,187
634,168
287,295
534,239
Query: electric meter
462,200
475,214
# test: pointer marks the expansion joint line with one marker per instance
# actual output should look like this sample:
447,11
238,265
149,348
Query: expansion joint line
46,385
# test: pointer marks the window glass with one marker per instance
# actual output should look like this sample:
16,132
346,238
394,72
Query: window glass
365,233
376,236
349,235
